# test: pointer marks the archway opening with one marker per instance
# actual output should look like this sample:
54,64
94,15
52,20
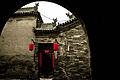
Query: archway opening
73,55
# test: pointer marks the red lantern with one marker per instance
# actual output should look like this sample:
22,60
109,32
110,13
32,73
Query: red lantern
55,46
31,47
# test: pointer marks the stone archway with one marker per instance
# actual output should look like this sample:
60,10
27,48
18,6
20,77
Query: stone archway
66,6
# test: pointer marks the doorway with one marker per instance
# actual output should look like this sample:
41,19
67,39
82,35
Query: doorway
45,59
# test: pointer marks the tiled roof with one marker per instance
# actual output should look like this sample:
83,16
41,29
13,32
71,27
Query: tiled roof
68,25
68,22
25,10
48,28
28,11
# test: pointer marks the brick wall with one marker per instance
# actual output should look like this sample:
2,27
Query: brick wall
73,63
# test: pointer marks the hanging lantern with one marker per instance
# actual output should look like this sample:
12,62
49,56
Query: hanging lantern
55,46
31,47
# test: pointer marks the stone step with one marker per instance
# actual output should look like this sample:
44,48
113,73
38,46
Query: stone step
45,79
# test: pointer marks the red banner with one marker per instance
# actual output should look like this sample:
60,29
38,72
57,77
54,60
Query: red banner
40,56
46,51
53,59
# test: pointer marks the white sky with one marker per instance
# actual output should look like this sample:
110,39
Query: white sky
51,10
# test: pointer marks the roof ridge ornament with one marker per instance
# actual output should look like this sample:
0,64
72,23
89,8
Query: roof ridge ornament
36,6
70,16
54,22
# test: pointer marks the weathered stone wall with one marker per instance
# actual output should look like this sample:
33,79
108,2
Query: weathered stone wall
73,63
16,36
16,61
17,67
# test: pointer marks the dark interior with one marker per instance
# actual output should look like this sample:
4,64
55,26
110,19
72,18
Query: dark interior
45,46
47,67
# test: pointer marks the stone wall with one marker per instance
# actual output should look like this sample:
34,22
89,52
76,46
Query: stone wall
16,36
17,67
16,61
73,63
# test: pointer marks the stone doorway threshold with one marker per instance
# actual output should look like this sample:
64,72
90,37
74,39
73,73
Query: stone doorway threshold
46,79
